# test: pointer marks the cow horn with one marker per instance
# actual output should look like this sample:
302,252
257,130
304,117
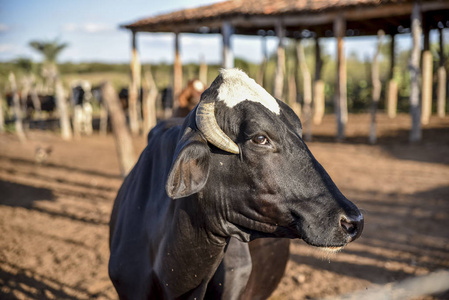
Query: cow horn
207,124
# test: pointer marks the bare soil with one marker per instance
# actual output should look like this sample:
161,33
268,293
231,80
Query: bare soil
54,216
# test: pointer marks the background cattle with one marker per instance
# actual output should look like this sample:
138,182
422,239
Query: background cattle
167,102
47,104
189,97
82,108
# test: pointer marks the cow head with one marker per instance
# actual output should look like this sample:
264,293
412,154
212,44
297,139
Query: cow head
243,155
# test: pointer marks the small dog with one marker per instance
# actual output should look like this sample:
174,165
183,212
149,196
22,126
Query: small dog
42,154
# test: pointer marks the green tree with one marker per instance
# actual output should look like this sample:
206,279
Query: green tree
50,50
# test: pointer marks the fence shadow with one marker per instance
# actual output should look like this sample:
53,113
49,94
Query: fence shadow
19,195
21,282
397,144
61,167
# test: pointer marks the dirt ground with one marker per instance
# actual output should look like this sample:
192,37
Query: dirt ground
54,216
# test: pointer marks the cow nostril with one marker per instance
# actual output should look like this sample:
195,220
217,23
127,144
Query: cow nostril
352,227
348,227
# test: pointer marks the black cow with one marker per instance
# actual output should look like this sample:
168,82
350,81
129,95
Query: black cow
167,98
47,103
78,95
188,219
123,96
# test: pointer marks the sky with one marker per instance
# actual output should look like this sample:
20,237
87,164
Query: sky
91,28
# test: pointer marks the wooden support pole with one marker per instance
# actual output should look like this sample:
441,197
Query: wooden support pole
318,87
263,65
415,111
66,130
340,100
426,79
307,87
134,88
392,97
376,88
441,92
280,65
177,73
228,56
103,119
123,141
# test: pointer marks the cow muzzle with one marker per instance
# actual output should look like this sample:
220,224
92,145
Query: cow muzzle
352,226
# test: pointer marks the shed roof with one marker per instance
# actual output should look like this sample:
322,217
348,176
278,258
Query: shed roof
250,16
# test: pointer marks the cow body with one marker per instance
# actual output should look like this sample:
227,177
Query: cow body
82,108
188,219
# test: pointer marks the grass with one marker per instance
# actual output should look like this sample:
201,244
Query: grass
119,80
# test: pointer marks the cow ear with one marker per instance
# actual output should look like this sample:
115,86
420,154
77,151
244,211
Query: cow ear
190,170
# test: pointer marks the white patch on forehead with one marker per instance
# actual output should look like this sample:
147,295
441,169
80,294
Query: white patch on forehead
237,87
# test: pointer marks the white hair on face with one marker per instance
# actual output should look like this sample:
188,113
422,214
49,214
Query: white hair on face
237,87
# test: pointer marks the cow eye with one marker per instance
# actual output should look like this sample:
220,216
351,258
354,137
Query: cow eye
261,140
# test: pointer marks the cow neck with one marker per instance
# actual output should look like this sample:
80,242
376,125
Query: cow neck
190,254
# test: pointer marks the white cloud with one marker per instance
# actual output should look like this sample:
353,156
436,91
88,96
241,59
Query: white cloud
95,27
88,27
3,27
69,27
6,48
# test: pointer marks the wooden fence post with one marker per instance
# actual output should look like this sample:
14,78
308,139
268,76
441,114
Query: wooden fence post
280,65
293,95
35,98
318,87
427,74
340,100
415,111
17,110
64,121
149,105
103,119
307,87
134,88
392,97
376,88
123,141
441,92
